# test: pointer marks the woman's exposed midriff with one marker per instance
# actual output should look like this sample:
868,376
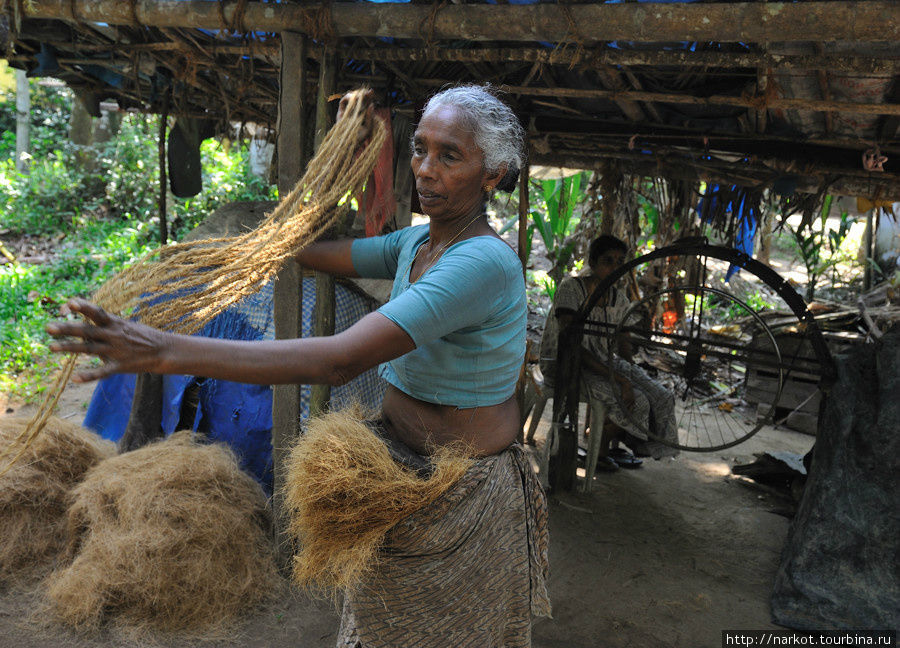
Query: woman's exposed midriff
423,426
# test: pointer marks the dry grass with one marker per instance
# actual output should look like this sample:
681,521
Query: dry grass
344,492
34,494
172,537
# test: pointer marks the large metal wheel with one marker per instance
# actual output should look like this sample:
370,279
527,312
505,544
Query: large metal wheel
704,365
700,341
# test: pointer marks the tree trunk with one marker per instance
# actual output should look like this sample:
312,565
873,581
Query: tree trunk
23,117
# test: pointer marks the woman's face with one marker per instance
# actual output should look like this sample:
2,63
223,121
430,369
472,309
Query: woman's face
448,167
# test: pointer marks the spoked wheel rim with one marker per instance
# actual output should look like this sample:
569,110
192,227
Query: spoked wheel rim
702,251
711,366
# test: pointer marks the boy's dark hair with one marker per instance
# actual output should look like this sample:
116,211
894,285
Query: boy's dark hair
602,244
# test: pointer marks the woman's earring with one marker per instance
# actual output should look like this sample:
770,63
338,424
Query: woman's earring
487,188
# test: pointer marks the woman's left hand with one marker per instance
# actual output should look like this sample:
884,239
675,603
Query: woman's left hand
368,100
123,345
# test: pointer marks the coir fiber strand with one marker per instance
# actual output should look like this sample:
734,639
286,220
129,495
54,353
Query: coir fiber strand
181,287
344,493
173,537
35,495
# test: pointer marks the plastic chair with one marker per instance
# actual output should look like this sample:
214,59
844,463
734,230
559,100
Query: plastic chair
538,392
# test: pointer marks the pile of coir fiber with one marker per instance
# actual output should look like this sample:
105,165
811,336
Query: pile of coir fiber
344,492
34,495
172,537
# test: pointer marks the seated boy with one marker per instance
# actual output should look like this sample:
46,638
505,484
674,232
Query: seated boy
646,401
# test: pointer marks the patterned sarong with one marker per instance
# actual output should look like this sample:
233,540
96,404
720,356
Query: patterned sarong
469,570
653,409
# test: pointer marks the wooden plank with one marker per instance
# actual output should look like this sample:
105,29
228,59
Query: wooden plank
866,65
883,186
803,422
795,394
811,105
287,296
859,21
524,210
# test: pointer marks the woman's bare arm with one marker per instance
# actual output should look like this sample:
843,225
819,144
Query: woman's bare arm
129,347
333,257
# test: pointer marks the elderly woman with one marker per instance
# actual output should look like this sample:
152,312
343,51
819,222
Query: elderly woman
470,569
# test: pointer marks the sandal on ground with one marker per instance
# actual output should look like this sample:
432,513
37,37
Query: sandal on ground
605,464
624,459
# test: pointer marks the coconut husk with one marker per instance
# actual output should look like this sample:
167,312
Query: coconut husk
172,537
344,492
34,495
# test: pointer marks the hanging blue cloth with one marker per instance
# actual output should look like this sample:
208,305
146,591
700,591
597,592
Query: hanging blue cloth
737,201
748,221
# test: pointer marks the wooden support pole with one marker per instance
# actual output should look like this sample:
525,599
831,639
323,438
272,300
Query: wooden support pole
834,20
23,120
325,297
524,210
288,295
868,238
163,180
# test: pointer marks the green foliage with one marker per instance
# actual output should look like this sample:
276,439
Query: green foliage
99,206
30,297
554,218
7,78
819,248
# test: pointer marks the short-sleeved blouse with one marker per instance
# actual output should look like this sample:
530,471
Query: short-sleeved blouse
466,315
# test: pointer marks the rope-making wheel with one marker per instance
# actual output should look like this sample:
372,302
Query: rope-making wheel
702,343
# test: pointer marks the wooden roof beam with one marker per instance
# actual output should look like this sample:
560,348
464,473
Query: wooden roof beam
679,168
859,21
866,65
814,105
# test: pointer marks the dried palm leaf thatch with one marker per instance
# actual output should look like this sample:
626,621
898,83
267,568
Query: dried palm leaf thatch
344,492
34,495
172,537
183,286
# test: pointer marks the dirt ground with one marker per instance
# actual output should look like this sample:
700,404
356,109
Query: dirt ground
666,555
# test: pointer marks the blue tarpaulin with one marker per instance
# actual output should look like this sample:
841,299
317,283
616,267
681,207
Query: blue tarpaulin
235,413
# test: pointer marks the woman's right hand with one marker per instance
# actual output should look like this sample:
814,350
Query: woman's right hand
368,99
123,345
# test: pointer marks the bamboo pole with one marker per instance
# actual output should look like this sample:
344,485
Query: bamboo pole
288,290
860,21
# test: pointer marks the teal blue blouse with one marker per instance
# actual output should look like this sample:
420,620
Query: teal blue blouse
466,315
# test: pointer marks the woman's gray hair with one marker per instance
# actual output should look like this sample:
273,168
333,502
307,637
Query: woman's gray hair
496,128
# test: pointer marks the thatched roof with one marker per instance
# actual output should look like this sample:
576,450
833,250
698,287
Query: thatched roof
752,93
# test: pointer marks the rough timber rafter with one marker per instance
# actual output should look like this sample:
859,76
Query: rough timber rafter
861,21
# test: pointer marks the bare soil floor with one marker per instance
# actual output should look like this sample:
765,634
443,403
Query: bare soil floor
667,555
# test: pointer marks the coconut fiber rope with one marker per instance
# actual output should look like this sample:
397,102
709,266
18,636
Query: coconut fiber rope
181,287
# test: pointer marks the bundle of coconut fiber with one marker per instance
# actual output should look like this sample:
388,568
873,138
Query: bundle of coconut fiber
172,537
34,494
344,492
